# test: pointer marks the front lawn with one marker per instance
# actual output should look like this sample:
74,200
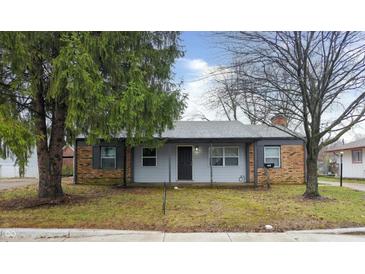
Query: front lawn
188,208
336,179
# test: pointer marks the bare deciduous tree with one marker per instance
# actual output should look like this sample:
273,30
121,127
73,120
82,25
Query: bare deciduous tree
224,95
234,94
317,78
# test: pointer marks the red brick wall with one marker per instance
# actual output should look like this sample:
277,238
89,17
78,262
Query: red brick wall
292,167
86,172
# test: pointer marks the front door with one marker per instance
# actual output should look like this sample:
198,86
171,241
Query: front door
184,163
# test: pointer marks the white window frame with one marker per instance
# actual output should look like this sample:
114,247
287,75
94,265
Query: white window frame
210,156
148,157
101,157
224,156
278,147
352,156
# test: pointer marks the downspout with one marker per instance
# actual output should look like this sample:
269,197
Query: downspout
210,164
75,163
169,163
255,163
305,164
247,162
125,165
132,165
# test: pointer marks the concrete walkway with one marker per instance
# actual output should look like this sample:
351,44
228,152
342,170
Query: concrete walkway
16,182
359,187
99,235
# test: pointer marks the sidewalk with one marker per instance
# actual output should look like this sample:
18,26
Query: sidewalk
16,182
359,187
99,235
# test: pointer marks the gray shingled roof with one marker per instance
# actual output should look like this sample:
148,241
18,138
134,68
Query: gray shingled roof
220,130
355,144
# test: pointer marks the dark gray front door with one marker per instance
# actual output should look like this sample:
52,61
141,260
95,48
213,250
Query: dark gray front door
184,163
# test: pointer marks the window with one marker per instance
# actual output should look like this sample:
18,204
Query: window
6,151
217,156
108,157
357,156
231,156
272,155
149,157
224,156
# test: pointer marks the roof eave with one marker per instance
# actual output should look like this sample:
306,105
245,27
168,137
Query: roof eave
344,148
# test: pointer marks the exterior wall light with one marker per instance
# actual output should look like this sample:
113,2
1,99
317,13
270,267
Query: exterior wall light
196,148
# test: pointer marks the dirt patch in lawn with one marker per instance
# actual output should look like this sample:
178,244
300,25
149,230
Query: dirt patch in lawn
319,199
131,190
35,202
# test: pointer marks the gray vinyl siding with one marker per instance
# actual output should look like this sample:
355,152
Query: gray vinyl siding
201,168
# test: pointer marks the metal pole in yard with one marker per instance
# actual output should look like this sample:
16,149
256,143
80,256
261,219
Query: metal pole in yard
164,199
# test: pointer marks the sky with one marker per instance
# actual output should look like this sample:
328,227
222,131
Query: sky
202,57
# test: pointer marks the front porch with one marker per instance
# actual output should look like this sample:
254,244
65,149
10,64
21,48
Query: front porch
188,161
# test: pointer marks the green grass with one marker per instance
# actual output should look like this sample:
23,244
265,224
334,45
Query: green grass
336,179
190,209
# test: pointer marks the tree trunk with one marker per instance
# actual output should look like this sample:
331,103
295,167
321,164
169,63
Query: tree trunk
49,156
50,186
56,149
50,170
312,178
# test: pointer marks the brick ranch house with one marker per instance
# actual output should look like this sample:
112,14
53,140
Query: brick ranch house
237,152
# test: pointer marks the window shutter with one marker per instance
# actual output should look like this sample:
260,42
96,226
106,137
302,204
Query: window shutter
96,156
120,156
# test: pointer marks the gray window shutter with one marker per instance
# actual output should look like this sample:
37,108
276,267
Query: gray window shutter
120,156
96,156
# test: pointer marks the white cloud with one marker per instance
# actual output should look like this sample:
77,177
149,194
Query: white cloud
197,65
196,82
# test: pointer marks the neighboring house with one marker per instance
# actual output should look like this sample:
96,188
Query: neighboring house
9,169
237,152
68,157
353,158
327,163
67,161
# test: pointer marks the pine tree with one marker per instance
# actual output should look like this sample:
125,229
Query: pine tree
56,85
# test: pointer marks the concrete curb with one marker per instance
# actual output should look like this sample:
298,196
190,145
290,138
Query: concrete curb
37,233
347,230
